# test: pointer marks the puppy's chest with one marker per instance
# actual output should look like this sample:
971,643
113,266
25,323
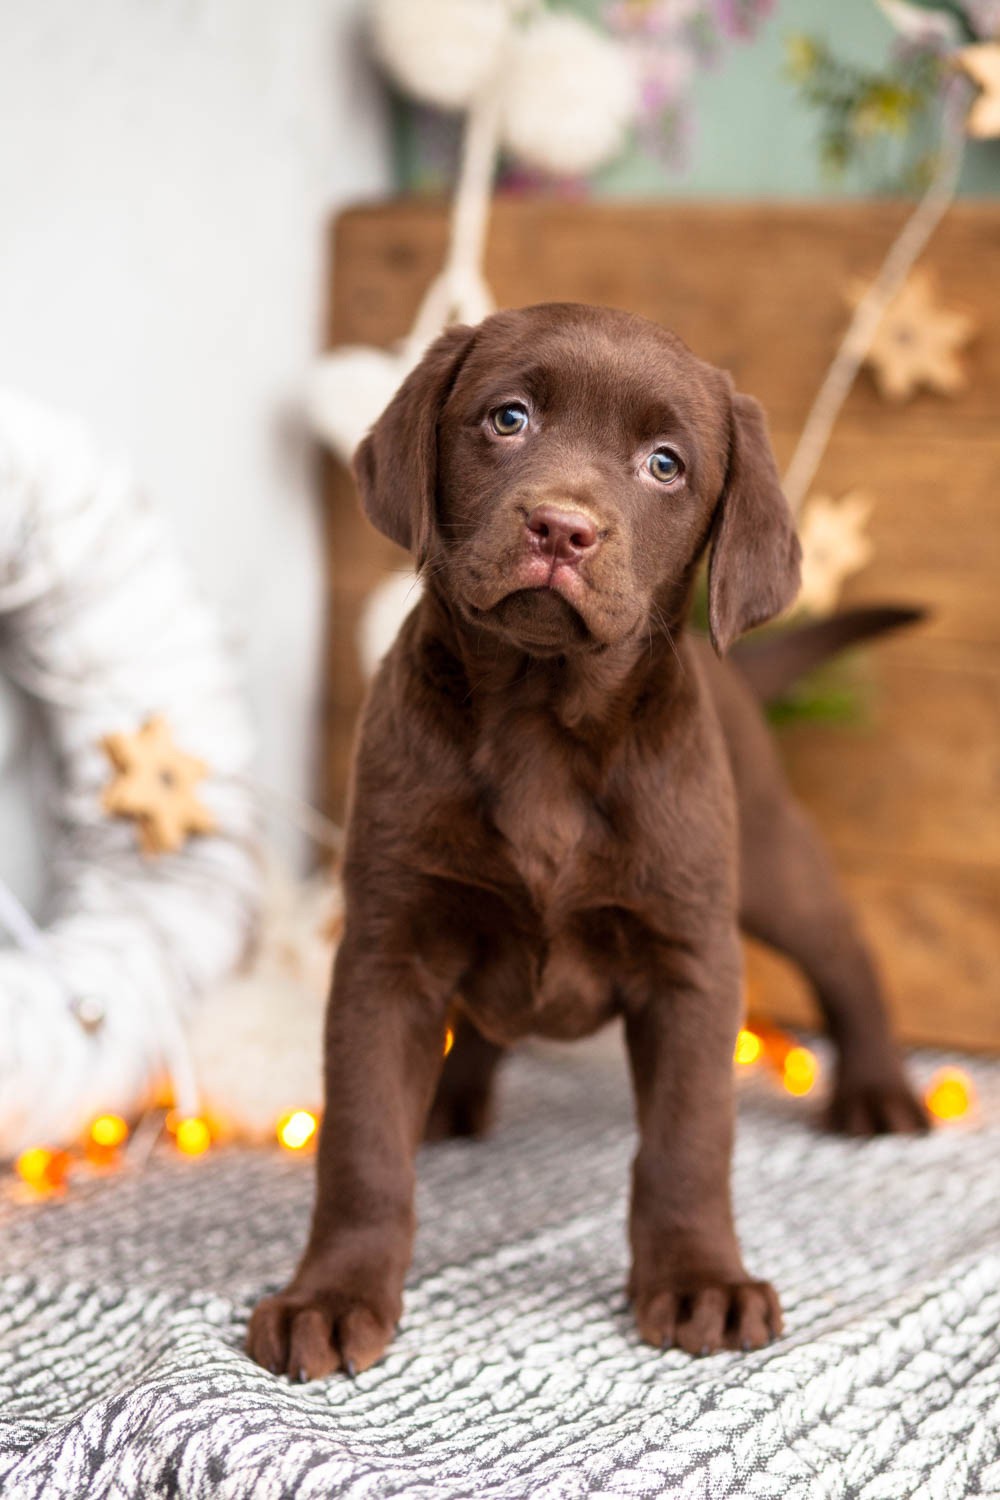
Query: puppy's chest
545,813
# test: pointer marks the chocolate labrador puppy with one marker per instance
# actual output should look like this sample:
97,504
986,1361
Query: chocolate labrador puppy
564,808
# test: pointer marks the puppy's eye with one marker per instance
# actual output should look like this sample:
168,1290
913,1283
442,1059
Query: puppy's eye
664,465
509,420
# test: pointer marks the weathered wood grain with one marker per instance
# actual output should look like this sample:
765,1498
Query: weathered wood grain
911,802
935,934
757,287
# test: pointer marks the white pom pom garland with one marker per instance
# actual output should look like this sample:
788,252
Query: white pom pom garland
557,92
348,390
567,92
443,52
384,611
569,97
257,1039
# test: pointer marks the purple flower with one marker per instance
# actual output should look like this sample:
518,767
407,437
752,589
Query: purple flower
984,17
670,39
739,19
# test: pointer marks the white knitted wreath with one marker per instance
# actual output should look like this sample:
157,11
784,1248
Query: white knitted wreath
101,626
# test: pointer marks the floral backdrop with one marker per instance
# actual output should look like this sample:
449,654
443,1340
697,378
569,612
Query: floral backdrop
831,99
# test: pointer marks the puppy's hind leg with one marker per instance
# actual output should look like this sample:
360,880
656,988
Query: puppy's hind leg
792,901
463,1104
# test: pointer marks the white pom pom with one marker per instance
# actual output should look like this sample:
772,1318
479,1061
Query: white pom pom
11,725
257,1039
348,390
570,97
258,1049
440,51
385,609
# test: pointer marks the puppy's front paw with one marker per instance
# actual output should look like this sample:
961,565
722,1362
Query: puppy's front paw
307,1335
702,1316
863,1106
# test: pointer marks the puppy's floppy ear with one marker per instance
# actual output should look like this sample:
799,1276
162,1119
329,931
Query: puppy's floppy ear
753,572
396,464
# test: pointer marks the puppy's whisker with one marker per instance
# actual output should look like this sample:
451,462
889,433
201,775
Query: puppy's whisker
429,573
661,621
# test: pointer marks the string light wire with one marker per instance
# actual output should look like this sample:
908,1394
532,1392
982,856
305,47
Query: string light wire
899,261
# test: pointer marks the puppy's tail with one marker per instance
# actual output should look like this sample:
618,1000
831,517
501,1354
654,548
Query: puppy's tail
772,663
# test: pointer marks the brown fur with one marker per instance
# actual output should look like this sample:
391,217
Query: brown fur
563,809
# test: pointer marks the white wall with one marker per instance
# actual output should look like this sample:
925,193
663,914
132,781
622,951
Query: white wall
167,171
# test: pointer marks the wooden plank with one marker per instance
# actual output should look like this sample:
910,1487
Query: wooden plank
938,945
756,287
934,521
922,780
910,803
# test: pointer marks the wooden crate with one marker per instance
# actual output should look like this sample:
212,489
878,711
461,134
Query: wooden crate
910,804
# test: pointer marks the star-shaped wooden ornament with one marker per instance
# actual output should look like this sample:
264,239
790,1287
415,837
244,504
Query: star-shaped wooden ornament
917,342
154,786
982,63
835,545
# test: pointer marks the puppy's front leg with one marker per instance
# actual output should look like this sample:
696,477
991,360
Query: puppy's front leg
688,1284
384,1039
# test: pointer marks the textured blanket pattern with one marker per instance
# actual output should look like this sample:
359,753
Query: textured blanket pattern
517,1373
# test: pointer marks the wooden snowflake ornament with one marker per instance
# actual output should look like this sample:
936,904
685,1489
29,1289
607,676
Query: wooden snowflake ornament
835,545
154,786
982,64
917,342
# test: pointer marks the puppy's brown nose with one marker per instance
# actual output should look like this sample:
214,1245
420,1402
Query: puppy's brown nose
563,534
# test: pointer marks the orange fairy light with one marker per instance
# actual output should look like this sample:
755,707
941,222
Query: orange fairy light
775,1043
106,1134
192,1136
297,1129
950,1094
799,1070
449,1040
748,1049
109,1131
44,1170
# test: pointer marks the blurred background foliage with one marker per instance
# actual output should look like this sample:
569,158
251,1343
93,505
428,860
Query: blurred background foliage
773,99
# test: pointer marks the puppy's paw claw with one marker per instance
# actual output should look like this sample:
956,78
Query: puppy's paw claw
703,1317
309,1335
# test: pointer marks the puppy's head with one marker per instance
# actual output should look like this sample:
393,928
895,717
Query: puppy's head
560,469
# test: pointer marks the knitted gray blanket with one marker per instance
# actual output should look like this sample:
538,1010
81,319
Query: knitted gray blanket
517,1372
